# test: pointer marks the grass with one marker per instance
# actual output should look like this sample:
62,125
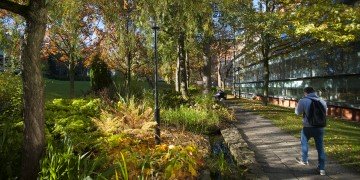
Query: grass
342,138
195,120
60,89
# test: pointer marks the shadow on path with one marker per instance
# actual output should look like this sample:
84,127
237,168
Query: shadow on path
276,151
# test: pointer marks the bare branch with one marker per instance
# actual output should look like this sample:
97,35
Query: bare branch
14,7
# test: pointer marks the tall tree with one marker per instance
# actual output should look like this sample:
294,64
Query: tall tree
216,39
71,31
205,32
327,20
271,28
11,34
121,37
35,14
178,21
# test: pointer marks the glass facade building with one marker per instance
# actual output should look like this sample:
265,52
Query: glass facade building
333,71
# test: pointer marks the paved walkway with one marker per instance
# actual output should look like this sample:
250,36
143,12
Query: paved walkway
275,151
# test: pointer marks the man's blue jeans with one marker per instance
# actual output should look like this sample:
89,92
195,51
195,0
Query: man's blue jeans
318,135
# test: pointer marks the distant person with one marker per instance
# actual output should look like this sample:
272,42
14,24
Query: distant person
220,95
313,110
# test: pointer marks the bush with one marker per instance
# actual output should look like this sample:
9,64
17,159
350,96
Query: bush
171,99
131,117
201,114
193,90
11,125
73,119
207,103
100,77
167,99
196,120
73,140
127,139
63,163
10,96
134,159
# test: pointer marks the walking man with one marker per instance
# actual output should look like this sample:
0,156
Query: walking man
313,110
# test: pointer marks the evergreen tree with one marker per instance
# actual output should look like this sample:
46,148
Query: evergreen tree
100,77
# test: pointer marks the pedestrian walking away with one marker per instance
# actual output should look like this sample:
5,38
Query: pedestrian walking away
313,109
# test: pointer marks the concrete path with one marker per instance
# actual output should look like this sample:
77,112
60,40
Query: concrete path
275,151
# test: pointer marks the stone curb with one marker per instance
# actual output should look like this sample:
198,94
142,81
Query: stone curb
242,154
238,147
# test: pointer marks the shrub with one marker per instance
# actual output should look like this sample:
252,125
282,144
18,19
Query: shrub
136,161
10,149
11,125
64,163
10,96
197,120
79,158
193,90
171,99
207,103
131,117
128,130
138,87
201,114
176,162
73,119
100,77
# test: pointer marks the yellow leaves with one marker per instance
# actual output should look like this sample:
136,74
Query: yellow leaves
193,171
190,149
352,27
181,163
178,157
161,148
168,161
305,29
333,33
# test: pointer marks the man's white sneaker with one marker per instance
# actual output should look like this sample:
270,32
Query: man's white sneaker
301,162
322,172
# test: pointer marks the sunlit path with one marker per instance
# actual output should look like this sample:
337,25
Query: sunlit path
276,151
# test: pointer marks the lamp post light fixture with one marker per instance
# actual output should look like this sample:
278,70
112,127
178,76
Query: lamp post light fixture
156,93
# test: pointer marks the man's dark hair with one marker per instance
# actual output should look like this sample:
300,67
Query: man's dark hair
309,90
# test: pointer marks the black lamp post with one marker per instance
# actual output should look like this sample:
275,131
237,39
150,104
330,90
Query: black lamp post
156,93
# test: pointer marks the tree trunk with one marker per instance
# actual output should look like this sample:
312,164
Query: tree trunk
128,60
219,75
207,68
187,69
224,75
128,84
33,88
177,75
72,77
265,51
182,66
266,81
148,80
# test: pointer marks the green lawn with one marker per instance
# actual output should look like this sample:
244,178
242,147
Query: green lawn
60,89
342,138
